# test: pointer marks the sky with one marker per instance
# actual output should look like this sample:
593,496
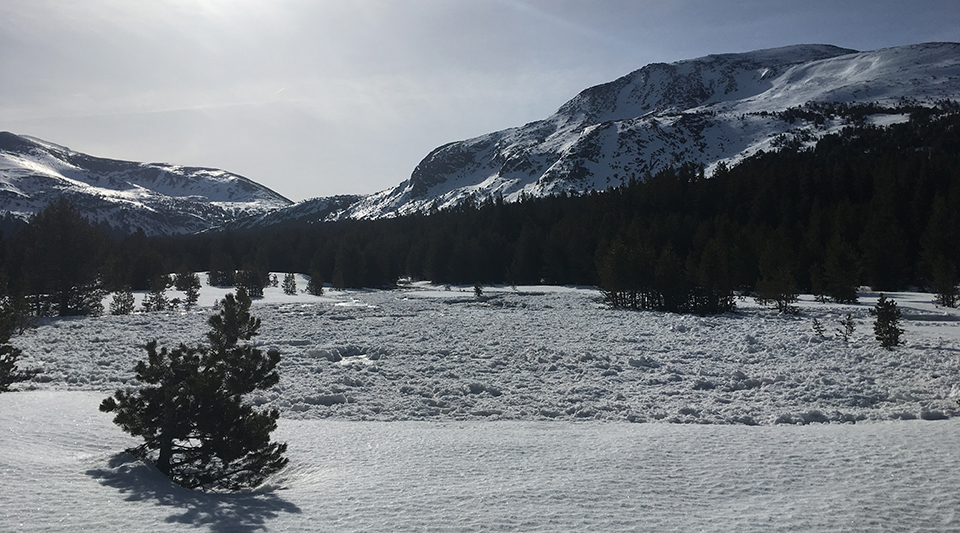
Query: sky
320,97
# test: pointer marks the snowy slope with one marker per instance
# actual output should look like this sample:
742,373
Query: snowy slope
311,211
159,198
706,110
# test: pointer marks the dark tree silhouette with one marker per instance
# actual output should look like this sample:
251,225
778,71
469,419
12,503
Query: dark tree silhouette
11,321
887,326
62,253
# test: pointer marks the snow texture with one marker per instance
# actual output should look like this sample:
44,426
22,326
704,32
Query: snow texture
426,409
536,353
62,469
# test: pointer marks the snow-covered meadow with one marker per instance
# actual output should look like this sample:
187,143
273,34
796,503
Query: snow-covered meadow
430,409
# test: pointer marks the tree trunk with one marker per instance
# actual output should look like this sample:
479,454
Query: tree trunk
166,429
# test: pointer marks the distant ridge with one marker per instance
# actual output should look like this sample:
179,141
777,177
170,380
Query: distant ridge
124,196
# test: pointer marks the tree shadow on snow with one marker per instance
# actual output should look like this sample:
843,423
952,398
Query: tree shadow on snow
242,512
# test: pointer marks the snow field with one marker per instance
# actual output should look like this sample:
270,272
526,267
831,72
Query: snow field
542,353
62,469
425,409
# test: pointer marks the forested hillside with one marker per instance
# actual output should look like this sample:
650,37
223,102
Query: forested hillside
869,205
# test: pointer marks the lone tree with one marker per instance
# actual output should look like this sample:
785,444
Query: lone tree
123,302
190,411
315,285
887,327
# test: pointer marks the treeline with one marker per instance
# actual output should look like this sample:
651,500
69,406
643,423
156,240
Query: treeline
866,206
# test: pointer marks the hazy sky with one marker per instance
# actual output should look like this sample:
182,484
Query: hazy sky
316,98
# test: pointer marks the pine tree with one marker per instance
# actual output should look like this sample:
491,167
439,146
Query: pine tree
939,253
777,285
887,326
841,272
315,285
251,280
190,410
289,283
780,290
9,374
189,283
157,299
61,253
123,302
847,327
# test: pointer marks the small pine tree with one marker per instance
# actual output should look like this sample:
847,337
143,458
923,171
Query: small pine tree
189,283
221,278
841,271
777,285
315,285
18,308
289,283
943,282
780,291
9,374
190,410
819,329
887,326
8,365
847,327
123,302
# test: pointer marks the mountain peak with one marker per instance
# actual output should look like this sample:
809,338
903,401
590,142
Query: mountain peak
717,108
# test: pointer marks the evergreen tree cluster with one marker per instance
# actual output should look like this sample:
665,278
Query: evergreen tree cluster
11,321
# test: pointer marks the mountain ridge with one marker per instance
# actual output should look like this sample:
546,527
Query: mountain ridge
714,110
125,196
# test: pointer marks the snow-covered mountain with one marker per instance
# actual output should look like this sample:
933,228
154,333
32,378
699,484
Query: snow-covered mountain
123,196
719,108
309,211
